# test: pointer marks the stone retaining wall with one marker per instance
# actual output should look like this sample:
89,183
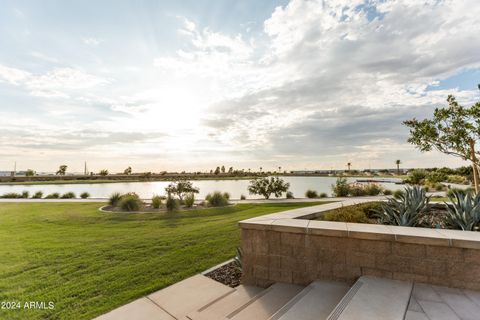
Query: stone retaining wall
300,251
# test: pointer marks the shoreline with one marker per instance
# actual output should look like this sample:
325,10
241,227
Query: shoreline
83,180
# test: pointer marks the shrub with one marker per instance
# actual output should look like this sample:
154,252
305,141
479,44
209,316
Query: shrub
357,190
130,202
340,188
25,194
114,199
54,195
436,177
242,197
397,194
311,194
373,189
464,213
406,210
323,195
172,204
457,179
439,187
216,199
156,202
11,195
289,195
226,195
190,199
68,195
84,195
37,195
416,177
360,213
346,214
387,192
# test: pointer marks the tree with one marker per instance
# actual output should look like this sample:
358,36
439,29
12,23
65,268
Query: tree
181,188
29,173
349,165
128,171
261,169
453,130
266,186
103,172
61,170
230,170
398,162
279,169
217,170
223,169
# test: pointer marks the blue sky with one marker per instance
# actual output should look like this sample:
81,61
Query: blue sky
189,85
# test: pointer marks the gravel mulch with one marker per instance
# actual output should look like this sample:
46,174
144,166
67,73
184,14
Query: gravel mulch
228,274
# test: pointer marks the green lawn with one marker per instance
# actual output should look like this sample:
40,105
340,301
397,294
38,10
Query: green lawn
88,262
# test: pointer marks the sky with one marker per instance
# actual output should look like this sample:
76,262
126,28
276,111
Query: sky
189,85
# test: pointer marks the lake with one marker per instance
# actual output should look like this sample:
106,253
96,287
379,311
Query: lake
298,185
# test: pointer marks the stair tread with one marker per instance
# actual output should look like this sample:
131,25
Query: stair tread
264,306
222,307
189,295
375,299
314,302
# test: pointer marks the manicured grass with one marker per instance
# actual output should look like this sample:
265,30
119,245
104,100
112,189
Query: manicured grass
88,262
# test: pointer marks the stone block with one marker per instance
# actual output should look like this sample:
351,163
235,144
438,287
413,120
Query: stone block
292,239
360,259
408,250
376,273
444,253
402,276
372,246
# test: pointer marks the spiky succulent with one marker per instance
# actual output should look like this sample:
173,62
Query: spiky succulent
405,210
239,259
464,212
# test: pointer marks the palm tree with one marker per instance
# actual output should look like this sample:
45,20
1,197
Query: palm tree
349,164
279,169
261,169
398,162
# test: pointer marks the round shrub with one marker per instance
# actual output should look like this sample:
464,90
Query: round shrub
190,200
130,202
85,195
311,194
25,194
289,195
387,192
68,195
156,202
242,197
373,189
172,204
216,199
341,187
54,195
37,195
323,195
438,187
114,199
357,190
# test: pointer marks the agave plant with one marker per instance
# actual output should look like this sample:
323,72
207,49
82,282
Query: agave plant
464,213
405,210
239,259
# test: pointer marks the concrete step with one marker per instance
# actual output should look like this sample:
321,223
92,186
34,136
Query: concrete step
141,309
221,308
265,304
189,295
373,298
315,302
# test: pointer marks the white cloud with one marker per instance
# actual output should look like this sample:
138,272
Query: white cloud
13,75
92,41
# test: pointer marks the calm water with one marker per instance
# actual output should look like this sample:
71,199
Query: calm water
298,185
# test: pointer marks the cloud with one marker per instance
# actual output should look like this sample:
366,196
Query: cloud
91,41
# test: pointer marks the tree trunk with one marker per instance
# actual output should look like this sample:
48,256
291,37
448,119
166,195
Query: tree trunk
474,165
